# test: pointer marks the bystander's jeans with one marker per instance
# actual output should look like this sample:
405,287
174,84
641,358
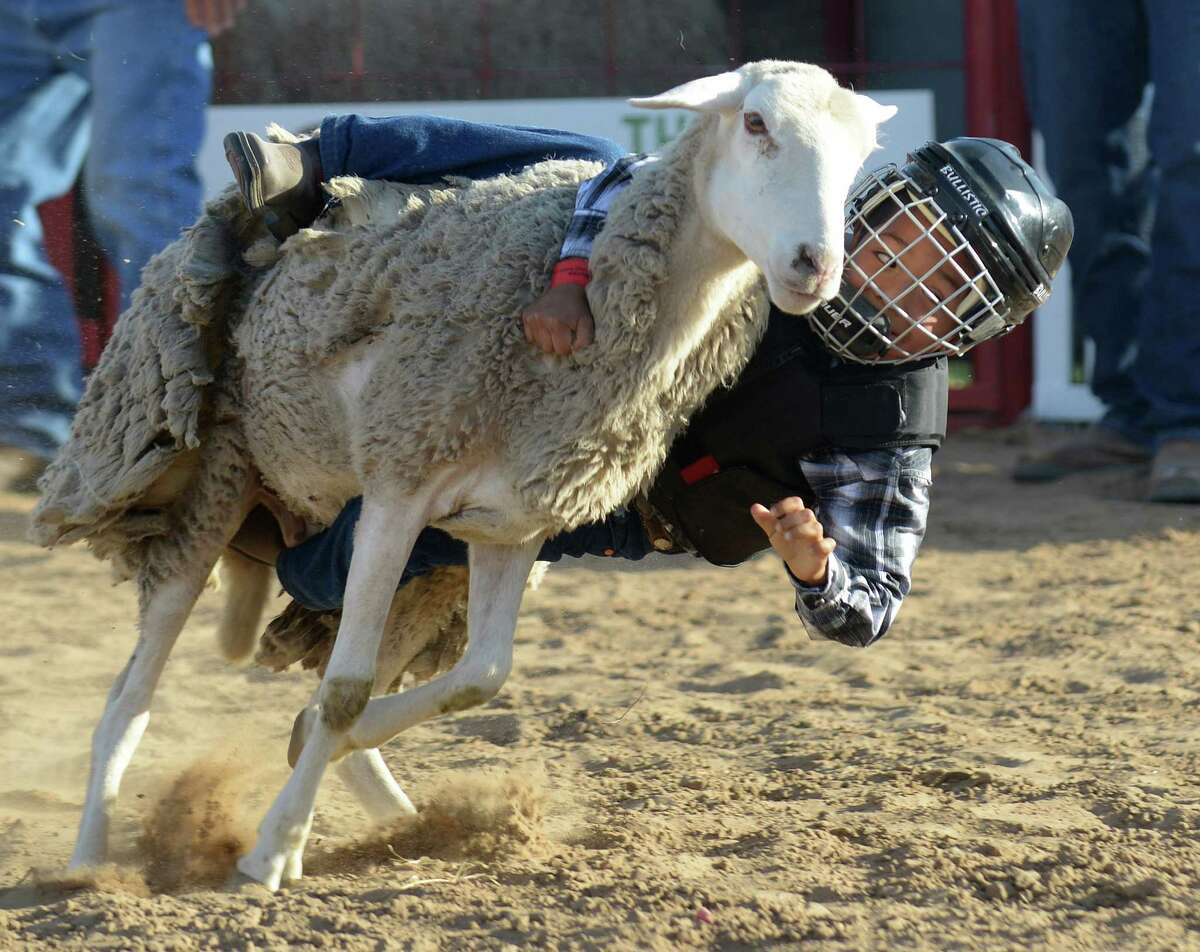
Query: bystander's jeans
115,89
1086,68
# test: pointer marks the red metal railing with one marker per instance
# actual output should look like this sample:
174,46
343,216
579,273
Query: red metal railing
1002,370
999,372
845,40
91,281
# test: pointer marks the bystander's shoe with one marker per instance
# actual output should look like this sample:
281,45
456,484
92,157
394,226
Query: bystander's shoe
1175,475
1098,448
280,179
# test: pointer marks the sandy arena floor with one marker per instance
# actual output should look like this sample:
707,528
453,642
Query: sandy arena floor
1015,766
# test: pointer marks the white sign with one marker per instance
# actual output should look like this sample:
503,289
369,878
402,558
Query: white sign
638,130
1056,396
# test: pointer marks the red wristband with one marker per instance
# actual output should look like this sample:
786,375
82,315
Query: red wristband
570,271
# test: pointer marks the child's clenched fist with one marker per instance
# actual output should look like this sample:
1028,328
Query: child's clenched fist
560,321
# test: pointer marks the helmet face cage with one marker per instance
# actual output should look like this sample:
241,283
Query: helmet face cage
916,318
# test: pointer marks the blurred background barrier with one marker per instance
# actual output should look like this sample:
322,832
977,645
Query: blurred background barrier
951,66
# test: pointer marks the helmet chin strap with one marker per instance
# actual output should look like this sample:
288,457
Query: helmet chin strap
856,339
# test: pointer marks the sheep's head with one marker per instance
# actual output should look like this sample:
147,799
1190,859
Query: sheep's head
789,141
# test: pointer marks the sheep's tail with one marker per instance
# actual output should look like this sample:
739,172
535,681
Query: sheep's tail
247,585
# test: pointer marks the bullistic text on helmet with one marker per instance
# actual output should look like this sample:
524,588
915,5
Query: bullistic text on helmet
957,183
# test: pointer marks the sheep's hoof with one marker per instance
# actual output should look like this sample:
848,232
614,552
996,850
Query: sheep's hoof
293,870
300,731
238,882
302,728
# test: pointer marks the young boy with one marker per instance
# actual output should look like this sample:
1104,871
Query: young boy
834,420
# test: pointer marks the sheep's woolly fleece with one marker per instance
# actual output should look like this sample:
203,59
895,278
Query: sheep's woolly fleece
427,286
431,281
147,402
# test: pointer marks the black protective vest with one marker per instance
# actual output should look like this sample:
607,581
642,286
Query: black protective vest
793,399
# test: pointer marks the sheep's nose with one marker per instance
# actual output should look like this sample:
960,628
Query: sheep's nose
818,263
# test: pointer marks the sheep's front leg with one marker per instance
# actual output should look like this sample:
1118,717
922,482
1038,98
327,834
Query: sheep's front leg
383,541
498,575
497,585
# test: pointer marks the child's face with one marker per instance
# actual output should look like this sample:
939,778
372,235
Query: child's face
908,274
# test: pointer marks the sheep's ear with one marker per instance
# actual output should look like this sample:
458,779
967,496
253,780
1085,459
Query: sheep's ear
875,111
709,94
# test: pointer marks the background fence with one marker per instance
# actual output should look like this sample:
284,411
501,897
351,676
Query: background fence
288,51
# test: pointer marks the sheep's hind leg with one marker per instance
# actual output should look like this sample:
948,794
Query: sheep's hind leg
366,774
387,529
246,585
164,606
369,779
127,711
363,771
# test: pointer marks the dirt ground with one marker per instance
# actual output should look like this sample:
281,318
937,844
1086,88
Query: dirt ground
673,763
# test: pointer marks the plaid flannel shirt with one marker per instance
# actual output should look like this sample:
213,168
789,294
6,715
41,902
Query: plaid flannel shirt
874,503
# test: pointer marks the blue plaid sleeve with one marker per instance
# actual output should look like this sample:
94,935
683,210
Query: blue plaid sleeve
875,504
593,201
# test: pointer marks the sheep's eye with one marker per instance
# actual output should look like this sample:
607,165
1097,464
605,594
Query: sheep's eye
754,124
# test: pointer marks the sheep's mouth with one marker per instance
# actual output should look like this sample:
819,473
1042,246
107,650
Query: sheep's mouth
797,301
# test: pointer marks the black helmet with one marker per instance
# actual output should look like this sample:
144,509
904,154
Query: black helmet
998,232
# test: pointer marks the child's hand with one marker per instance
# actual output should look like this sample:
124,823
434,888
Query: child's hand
797,536
560,321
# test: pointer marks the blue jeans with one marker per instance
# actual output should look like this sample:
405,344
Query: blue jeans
314,573
115,89
1086,67
423,149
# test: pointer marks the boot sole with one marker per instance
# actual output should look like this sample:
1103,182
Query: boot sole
247,170
1181,488
1175,494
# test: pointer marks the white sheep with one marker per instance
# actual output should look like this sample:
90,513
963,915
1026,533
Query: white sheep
381,355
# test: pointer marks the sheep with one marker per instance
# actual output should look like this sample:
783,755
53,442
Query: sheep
380,354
